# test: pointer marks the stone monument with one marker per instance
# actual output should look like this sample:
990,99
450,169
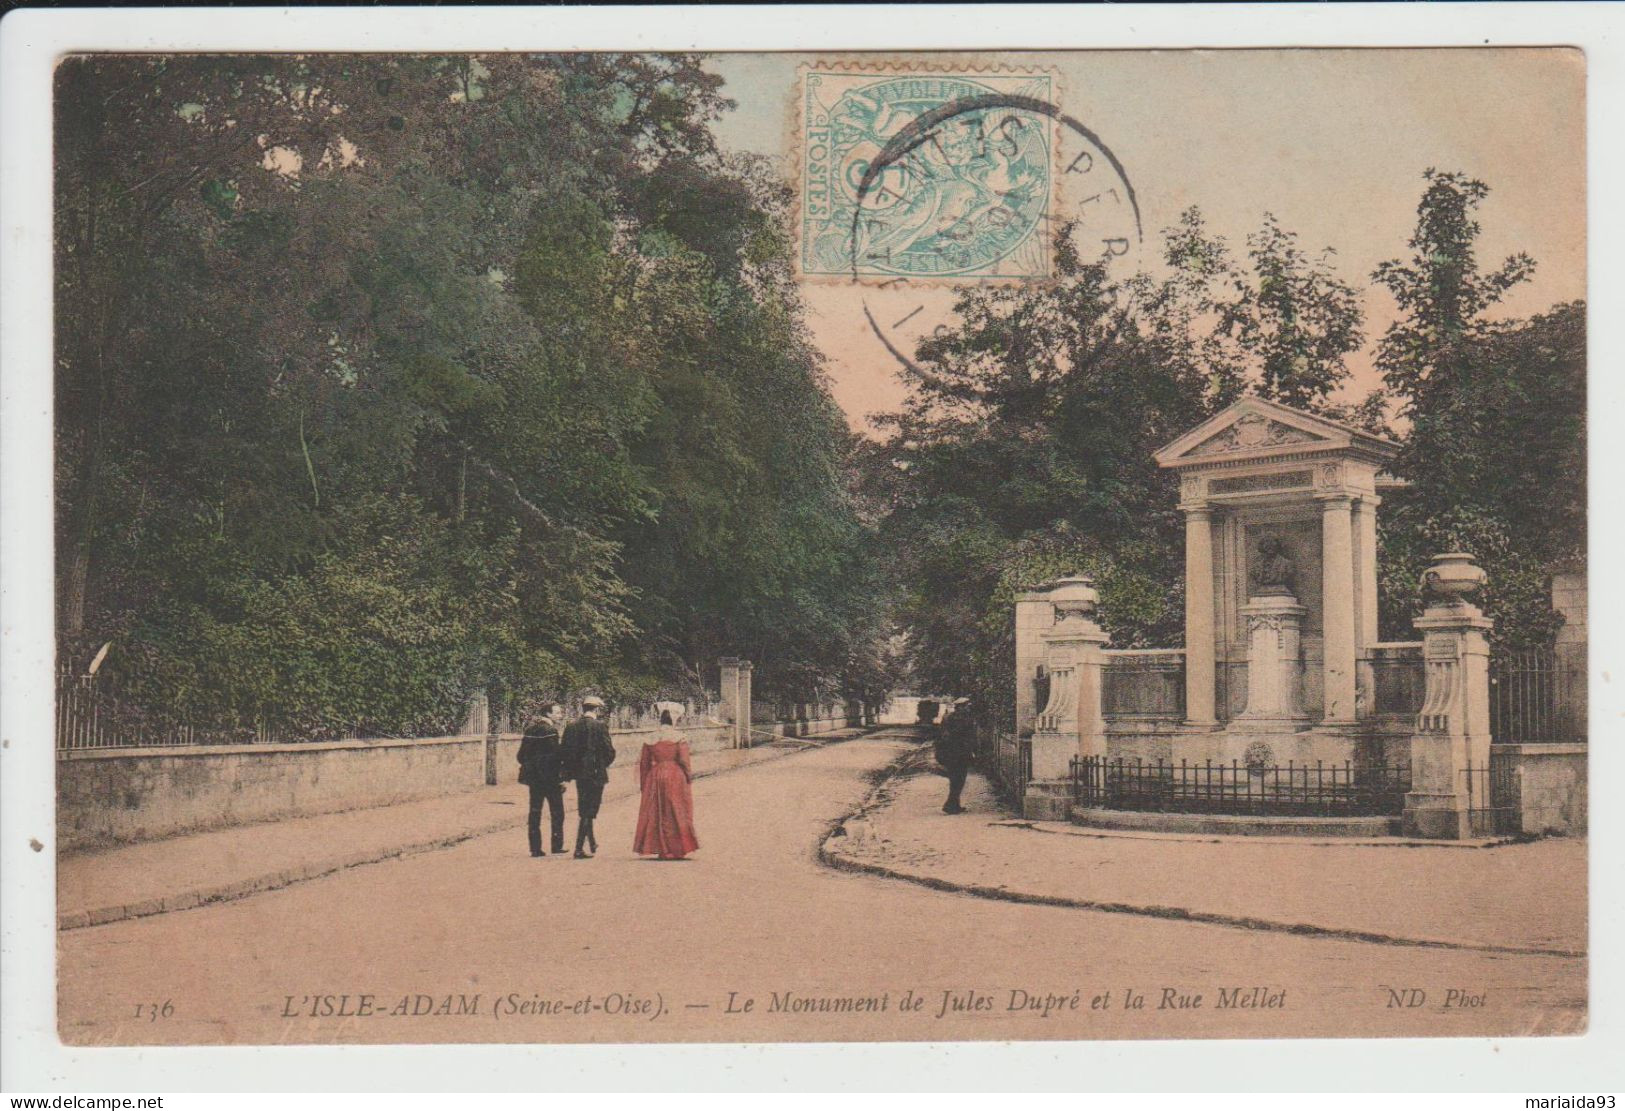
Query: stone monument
1274,621
1280,580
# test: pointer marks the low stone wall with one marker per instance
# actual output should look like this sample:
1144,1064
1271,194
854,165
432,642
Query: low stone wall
1551,786
120,795
805,727
115,796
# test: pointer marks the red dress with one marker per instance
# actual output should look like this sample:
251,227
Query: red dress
666,816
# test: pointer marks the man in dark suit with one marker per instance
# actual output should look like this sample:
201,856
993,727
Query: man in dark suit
955,750
588,753
540,769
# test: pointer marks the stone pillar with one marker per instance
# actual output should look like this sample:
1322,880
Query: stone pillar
1453,729
1274,624
1337,601
736,698
1199,616
1569,599
1365,525
1034,616
491,740
1072,722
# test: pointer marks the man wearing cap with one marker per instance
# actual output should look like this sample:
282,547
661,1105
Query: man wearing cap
588,753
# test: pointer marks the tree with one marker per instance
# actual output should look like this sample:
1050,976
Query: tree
1294,321
1024,451
1495,455
488,353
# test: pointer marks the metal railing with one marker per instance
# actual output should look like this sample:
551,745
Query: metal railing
92,713
1319,789
1524,703
1012,765
1494,797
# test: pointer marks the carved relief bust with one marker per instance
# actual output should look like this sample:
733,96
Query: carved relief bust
1273,572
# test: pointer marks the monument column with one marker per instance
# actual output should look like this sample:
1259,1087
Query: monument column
1199,616
1366,524
1337,605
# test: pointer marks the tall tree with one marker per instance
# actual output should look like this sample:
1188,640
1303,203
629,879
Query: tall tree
1495,453
439,360
1024,451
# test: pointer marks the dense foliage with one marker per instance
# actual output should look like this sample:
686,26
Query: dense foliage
1495,451
381,381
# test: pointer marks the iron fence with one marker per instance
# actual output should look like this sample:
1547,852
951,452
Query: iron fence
1012,765
91,714
1524,698
1319,789
1494,797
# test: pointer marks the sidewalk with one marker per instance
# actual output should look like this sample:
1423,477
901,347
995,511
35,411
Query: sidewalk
1516,898
155,877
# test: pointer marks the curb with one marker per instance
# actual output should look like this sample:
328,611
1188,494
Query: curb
272,881
1108,833
832,858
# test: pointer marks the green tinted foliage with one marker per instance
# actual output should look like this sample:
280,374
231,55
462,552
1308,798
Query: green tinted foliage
1495,454
1025,453
384,380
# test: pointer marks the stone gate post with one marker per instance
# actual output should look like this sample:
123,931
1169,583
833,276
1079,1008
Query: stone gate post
1034,616
1453,729
1072,723
736,695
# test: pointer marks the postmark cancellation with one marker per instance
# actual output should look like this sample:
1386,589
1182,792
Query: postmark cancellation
926,174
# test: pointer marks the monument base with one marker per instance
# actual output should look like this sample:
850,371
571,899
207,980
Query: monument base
1047,800
1272,743
1442,817
1052,755
1236,825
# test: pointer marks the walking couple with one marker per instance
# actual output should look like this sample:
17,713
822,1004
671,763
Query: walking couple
585,753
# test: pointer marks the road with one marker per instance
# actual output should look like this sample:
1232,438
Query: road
750,940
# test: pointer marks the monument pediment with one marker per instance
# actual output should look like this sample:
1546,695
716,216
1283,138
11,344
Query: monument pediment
1253,430
1254,427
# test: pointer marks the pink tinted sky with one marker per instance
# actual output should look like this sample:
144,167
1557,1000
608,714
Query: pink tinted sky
1333,142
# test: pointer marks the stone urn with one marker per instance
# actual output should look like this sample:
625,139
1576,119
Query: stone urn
1452,578
1074,598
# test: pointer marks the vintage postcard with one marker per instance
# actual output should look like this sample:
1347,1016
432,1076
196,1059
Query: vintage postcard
820,547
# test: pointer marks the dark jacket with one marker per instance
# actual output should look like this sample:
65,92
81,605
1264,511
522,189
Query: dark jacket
956,744
540,755
588,751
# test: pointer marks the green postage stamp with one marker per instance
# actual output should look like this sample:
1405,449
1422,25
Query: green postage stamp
925,174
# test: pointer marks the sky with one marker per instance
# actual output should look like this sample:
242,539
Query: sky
1333,142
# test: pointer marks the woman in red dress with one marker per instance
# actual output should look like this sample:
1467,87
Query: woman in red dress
665,775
